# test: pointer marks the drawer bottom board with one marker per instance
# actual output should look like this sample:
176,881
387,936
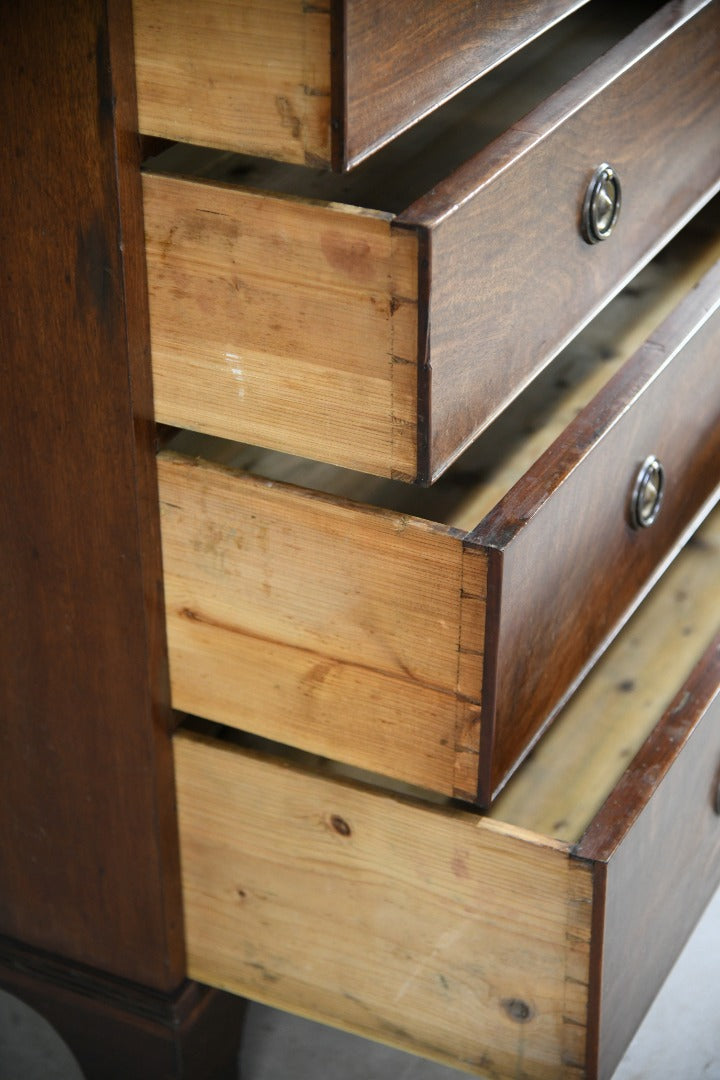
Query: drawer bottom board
470,939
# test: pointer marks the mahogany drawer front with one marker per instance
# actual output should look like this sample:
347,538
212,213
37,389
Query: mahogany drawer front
484,942
432,650
311,83
386,341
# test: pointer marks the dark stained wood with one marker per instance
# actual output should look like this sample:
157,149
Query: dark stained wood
657,845
118,1031
401,60
561,542
88,854
512,277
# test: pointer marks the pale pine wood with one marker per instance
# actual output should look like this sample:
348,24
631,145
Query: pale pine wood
590,744
229,72
282,323
419,925
488,470
471,647
411,925
313,621
404,354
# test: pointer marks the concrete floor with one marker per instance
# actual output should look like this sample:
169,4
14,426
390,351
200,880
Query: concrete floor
679,1040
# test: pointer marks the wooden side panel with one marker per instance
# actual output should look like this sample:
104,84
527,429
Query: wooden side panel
564,538
236,74
422,928
316,622
512,277
660,840
88,846
282,323
405,58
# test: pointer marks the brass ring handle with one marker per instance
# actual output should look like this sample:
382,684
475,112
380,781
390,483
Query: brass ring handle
602,204
647,494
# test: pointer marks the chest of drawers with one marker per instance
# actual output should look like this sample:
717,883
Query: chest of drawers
383,337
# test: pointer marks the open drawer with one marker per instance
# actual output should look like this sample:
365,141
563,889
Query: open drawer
525,943
430,635
316,83
380,321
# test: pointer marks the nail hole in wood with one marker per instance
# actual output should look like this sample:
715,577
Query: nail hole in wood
517,1010
340,825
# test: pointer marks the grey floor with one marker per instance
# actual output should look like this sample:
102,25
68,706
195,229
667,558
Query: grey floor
679,1040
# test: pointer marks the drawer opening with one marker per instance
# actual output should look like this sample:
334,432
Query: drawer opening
325,609
409,167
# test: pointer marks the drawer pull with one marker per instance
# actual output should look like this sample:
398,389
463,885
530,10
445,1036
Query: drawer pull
602,204
647,493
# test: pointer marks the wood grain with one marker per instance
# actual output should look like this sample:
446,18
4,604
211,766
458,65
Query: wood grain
327,625
429,52
405,285
236,74
88,860
405,634
434,931
307,82
442,920
658,844
561,541
512,278
221,260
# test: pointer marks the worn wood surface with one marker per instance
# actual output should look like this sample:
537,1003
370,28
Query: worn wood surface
88,854
116,1029
561,542
282,323
510,279
658,844
431,930
325,624
236,74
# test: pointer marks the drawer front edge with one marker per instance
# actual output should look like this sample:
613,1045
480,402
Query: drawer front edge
513,281
562,542
656,844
